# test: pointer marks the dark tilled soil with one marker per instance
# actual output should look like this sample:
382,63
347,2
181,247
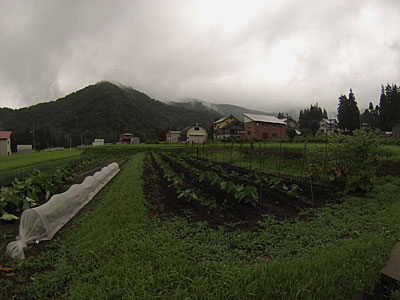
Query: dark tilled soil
163,202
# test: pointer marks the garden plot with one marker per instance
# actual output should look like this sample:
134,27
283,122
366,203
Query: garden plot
222,194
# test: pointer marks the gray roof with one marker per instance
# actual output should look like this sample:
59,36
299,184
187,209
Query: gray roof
264,118
220,120
174,131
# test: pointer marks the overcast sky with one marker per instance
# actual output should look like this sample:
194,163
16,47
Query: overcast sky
273,55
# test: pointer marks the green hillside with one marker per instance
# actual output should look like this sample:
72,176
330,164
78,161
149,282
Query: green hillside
223,109
103,110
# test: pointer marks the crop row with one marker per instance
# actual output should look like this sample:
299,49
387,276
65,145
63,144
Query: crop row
39,186
175,181
242,193
259,179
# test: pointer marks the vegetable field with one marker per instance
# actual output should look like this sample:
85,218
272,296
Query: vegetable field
197,222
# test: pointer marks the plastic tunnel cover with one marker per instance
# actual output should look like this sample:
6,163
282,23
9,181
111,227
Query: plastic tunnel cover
43,222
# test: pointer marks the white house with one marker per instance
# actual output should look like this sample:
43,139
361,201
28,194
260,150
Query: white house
5,143
194,134
328,126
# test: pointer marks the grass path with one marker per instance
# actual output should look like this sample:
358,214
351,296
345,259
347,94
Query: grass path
16,161
116,250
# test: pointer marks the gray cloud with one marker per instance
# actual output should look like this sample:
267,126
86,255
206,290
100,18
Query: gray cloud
271,55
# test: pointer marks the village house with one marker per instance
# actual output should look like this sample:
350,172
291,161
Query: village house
227,128
194,134
128,138
5,143
173,136
328,126
290,122
262,127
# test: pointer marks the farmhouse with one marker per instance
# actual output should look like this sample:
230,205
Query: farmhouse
227,128
396,130
5,143
328,126
173,136
128,138
261,127
194,134
290,122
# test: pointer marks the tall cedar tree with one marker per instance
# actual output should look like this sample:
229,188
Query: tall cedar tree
370,116
389,106
308,115
348,112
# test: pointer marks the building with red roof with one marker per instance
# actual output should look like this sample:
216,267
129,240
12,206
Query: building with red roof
5,143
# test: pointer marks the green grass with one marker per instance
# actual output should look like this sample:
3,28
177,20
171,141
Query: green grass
116,250
17,161
391,152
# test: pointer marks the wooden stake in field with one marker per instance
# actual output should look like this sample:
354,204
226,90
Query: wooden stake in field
280,156
251,154
240,153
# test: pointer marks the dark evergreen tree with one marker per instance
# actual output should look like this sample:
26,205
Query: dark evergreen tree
348,112
389,106
308,115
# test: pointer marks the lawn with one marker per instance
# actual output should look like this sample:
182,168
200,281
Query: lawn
17,161
119,248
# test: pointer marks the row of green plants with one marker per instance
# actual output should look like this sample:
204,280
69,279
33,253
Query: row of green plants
37,187
259,179
241,193
175,181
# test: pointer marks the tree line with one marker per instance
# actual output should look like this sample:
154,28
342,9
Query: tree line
383,116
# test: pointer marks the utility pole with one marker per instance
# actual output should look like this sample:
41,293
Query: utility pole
33,136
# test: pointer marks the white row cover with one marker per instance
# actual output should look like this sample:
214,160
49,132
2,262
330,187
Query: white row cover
42,223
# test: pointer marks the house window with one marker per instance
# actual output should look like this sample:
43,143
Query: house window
197,128
265,124
248,132
265,135
249,125
232,131
274,135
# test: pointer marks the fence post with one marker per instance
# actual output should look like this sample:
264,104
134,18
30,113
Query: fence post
325,157
251,153
240,152
197,150
231,152
280,157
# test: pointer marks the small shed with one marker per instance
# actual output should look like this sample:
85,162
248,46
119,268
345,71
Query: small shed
23,149
5,143
173,136
98,142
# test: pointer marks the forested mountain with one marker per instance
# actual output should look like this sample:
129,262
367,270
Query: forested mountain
223,109
103,110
